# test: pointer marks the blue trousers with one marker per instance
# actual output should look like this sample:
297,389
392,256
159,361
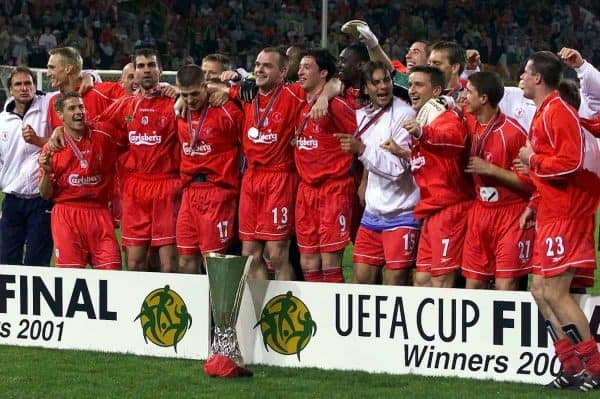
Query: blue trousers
25,236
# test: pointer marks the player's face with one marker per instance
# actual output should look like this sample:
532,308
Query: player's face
128,79
58,71
439,59
22,88
267,71
293,54
194,96
309,75
420,89
73,115
528,80
211,70
380,88
416,55
348,67
147,71
473,100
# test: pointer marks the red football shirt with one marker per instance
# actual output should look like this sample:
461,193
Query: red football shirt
438,161
90,181
566,189
216,152
269,145
317,152
498,144
147,125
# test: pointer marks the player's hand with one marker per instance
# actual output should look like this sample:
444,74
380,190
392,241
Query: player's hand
57,140
527,219
366,36
226,76
87,82
571,57
525,153
180,107
218,98
473,59
248,90
393,147
350,144
319,108
45,161
167,90
520,167
30,136
479,166
413,128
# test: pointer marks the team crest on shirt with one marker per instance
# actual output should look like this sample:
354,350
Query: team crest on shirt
275,117
307,143
519,111
77,180
136,138
162,122
199,149
144,120
488,156
4,135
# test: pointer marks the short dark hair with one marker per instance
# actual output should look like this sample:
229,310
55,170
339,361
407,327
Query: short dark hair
549,66
360,50
427,44
283,58
569,92
20,69
145,52
59,103
220,58
190,75
435,74
456,54
324,60
489,84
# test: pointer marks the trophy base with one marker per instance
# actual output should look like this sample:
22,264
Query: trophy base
225,343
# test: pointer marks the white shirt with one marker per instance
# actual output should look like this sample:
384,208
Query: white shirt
19,173
391,189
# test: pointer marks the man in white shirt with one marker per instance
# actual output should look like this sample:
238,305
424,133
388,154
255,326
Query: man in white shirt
24,130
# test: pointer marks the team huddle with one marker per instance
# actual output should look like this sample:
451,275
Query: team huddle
433,170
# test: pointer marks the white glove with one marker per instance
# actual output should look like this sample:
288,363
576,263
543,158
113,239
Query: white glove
366,36
431,110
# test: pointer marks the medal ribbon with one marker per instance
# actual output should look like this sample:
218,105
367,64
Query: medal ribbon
195,134
75,149
261,121
478,141
361,130
305,119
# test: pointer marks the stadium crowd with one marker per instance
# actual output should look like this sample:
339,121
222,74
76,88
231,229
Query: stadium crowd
107,32
431,168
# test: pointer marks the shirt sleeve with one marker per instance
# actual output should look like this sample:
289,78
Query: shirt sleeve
566,138
589,79
343,115
447,133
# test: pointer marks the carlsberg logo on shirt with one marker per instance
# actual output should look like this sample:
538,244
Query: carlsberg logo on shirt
307,143
79,181
199,149
136,138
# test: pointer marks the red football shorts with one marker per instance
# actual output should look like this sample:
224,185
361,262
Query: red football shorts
495,246
206,219
84,234
396,249
150,208
324,215
442,240
567,244
267,201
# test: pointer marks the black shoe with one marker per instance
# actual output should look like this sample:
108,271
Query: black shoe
589,383
565,381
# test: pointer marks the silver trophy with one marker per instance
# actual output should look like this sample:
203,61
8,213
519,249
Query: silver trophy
226,277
